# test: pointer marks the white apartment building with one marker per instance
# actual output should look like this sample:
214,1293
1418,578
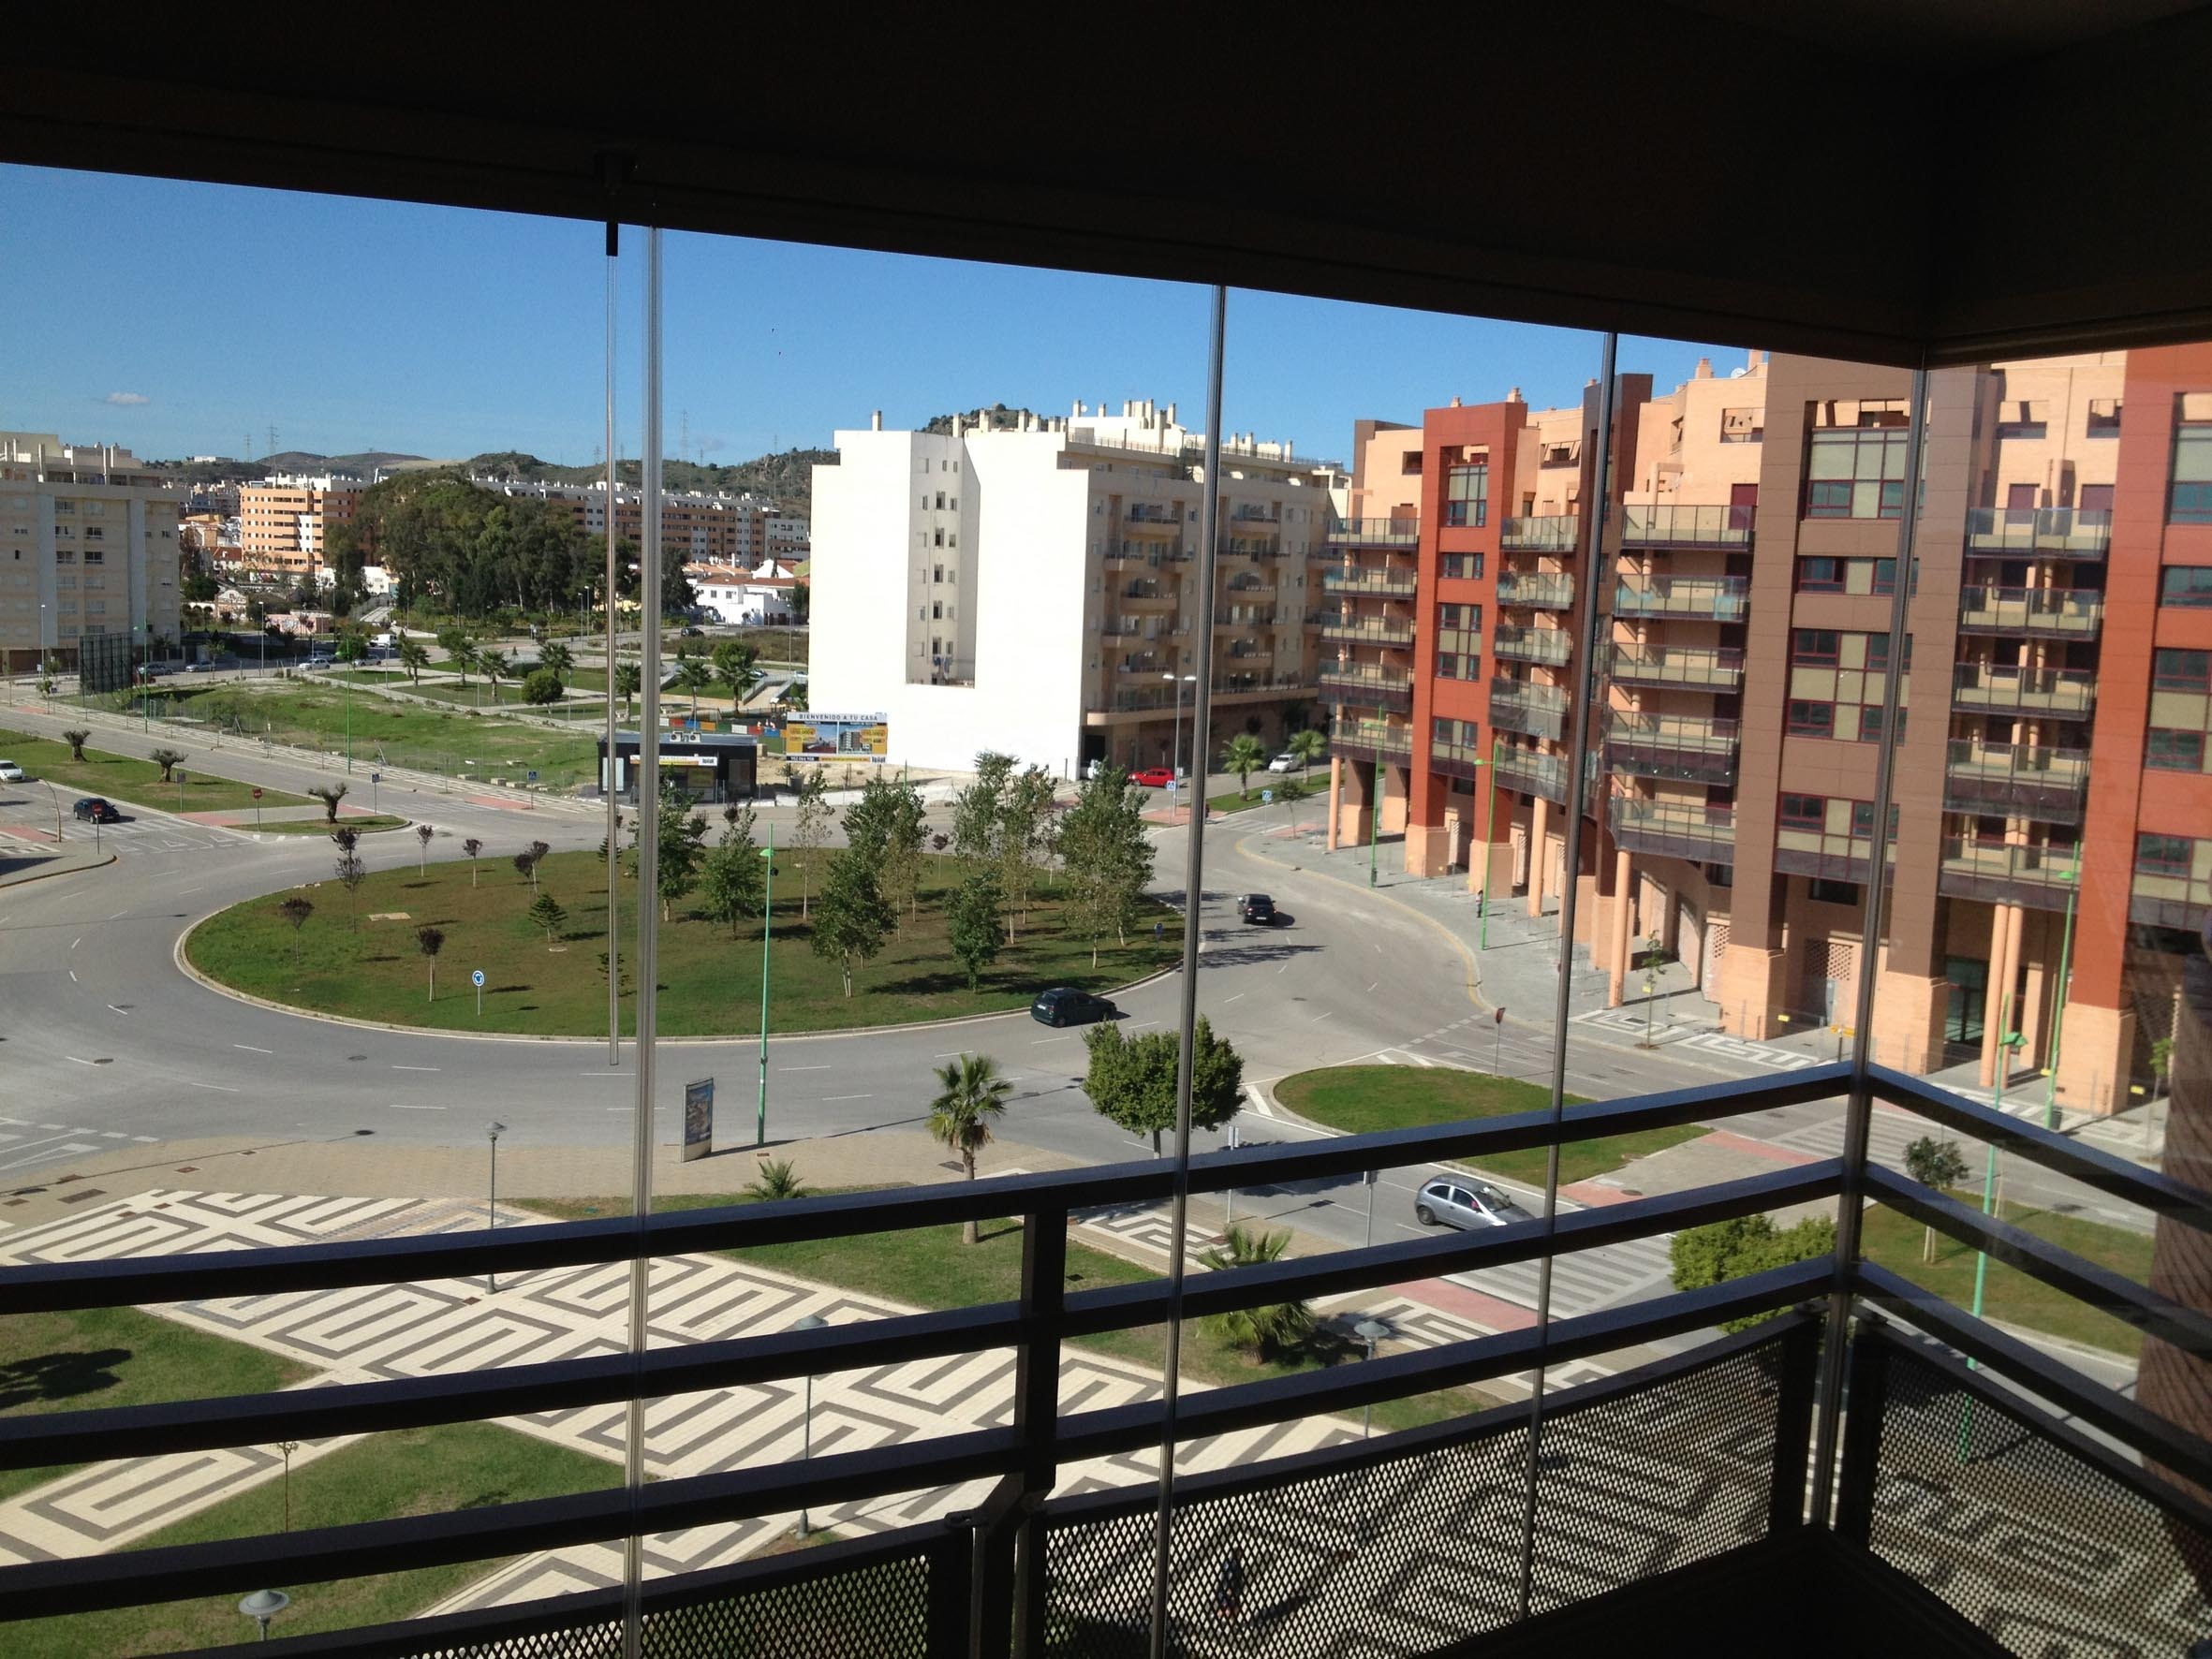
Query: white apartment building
88,547
1034,590
695,527
736,596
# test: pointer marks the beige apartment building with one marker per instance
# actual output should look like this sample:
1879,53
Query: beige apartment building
283,521
696,528
88,551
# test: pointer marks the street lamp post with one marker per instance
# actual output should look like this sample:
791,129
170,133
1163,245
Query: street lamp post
1489,814
812,1322
767,928
1370,1331
2073,893
264,1605
2007,1042
1176,772
1374,821
492,1133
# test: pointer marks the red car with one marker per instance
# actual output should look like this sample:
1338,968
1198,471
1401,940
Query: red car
1153,777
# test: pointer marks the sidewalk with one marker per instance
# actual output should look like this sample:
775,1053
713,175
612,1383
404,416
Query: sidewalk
33,856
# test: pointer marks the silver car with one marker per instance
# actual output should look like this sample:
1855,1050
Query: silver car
10,772
1462,1201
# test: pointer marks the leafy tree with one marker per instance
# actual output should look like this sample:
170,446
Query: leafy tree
971,918
429,941
629,680
886,825
423,837
623,988
472,846
683,838
976,808
810,795
329,795
693,675
1268,1332
1024,827
169,760
853,919
1132,1081
351,870
296,911
548,913
1244,754
794,696
541,687
1106,853
1937,1163
413,656
557,659
971,1098
1307,746
1747,1244
525,864
776,1181
75,737
731,880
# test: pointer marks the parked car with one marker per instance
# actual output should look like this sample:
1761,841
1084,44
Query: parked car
210,666
1462,1201
1257,909
95,808
1283,762
1066,1005
1153,777
10,772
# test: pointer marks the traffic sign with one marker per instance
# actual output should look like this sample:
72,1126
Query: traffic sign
477,977
376,777
1267,798
1172,785
533,775
182,774
256,794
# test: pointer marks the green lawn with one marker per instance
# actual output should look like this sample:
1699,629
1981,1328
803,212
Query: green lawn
1285,788
709,980
1895,1241
368,825
931,1268
133,782
98,1357
364,676
383,1478
314,716
1362,1099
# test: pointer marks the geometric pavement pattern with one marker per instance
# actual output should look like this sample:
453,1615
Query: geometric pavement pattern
378,1332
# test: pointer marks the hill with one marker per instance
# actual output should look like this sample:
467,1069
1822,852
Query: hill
363,465
787,477
997,417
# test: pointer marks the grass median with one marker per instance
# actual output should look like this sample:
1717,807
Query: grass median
931,1268
1365,1099
136,783
357,957
368,824
1284,789
388,1476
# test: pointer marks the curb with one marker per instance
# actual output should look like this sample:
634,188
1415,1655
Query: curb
1280,1113
184,966
17,881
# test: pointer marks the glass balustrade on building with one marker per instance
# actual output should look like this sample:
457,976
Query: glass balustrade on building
2050,613
2015,781
1713,598
1549,646
1678,829
1666,525
1686,747
2045,532
1677,665
1540,590
2068,693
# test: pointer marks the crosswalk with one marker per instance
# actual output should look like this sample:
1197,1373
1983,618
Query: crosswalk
1585,1281
25,1144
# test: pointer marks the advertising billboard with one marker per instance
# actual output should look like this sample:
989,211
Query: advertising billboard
831,737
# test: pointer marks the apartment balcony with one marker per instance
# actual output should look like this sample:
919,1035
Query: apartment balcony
1824,855
1532,773
1548,534
1252,512
1371,740
1146,597
1710,598
1549,646
1227,687
1373,533
1126,628
2039,533
1381,584
2006,873
1370,630
1131,555
1142,663
1360,685
1150,516
1234,617
2015,781
2183,903
1703,835
1667,525
1534,711
1540,591
2065,694
1249,547
2043,613
1694,666
1687,748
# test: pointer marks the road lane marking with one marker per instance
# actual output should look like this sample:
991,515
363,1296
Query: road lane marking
72,976
414,1068
79,1061
218,1088
1318,1018
397,1106
79,940
1372,986
833,1099
114,1010
251,1049
803,1068
1231,999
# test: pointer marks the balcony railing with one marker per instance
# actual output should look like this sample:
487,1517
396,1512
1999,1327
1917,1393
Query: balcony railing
1673,526
1252,512
1677,665
2069,694
1247,547
1534,645
1147,514
1225,685
1374,532
1684,747
1532,773
1555,533
2050,613
2178,901
1147,594
2007,872
1824,855
1357,685
1248,616
1537,710
1387,584
1715,598
1704,835
2015,781
1369,631
1371,740
2043,532
1541,590
1152,555
1701,1456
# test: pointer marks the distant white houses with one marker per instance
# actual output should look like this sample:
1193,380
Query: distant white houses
735,595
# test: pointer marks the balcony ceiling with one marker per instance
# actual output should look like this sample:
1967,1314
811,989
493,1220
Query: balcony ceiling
2031,174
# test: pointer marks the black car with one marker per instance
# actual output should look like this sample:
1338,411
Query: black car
95,808
1257,909
1066,1005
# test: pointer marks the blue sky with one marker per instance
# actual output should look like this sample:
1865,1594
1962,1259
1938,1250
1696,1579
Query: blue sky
176,318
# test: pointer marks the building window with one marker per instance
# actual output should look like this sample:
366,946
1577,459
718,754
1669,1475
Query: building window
1816,647
2193,460
1409,462
2163,855
1855,459
2174,751
1820,576
2023,417
1743,426
2187,587
1453,665
1804,811
1833,893
1463,567
2104,418
1466,494
2173,669
1811,720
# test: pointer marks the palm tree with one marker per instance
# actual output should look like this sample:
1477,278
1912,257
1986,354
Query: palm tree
974,1096
413,656
628,678
1307,746
776,1181
560,659
694,676
495,665
1267,1332
1243,753
795,695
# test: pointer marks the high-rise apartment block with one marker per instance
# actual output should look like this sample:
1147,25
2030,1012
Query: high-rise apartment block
695,527
88,551
2052,830
283,521
1032,589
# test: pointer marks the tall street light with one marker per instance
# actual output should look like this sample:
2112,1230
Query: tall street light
812,1322
2073,893
1489,811
1176,774
492,1133
767,930
1370,1331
